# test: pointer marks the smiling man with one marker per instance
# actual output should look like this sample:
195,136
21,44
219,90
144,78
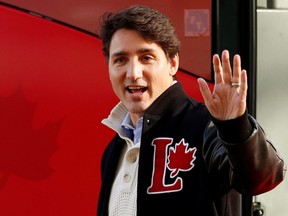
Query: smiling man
139,71
172,154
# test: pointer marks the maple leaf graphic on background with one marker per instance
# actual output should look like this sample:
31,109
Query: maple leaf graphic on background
24,151
181,158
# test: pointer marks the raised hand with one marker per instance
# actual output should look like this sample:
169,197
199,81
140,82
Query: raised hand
228,100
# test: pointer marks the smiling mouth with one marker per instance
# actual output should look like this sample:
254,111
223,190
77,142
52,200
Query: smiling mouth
136,89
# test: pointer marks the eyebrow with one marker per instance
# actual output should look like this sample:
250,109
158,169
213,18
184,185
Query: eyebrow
140,51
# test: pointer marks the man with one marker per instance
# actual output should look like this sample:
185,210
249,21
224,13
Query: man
172,155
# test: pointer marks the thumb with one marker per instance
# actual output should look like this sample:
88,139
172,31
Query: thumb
204,89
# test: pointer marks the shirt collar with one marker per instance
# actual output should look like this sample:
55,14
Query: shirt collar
134,133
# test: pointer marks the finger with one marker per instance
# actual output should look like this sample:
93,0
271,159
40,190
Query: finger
226,67
244,85
217,69
236,69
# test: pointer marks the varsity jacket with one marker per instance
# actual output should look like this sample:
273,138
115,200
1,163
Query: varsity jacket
190,165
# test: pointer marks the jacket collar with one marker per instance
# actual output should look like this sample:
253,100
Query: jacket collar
168,102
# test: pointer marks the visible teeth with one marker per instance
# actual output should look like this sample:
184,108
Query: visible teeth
135,87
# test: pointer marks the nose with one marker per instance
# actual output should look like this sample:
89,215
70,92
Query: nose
134,70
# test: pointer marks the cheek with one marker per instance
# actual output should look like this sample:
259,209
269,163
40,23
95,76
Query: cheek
114,75
116,82
111,77
116,89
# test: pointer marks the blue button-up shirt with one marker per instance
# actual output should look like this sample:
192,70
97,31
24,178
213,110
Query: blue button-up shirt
132,132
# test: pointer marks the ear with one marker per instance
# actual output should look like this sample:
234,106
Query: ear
174,64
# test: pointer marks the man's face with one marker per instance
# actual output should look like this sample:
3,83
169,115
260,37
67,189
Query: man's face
139,70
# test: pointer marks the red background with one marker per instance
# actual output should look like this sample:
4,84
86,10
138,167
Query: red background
54,92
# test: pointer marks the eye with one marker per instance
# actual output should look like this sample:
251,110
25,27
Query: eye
119,60
147,58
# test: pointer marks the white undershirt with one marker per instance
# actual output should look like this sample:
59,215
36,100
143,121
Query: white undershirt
123,196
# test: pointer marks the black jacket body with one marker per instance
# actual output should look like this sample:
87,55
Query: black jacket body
190,165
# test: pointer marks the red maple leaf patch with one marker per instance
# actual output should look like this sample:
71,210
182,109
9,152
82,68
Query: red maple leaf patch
181,158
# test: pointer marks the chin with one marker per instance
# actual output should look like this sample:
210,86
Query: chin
137,108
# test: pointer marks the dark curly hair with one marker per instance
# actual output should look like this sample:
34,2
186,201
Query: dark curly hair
149,23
